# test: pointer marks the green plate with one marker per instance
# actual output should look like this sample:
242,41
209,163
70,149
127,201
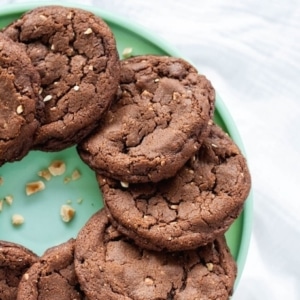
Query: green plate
43,226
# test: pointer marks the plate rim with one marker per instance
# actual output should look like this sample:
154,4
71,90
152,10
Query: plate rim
145,33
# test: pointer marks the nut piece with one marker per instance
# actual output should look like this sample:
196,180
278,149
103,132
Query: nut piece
9,199
1,205
67,213
76,174
34,187
57,167
17,219
127,52
124,184
45,174
20,109
1,180
210,266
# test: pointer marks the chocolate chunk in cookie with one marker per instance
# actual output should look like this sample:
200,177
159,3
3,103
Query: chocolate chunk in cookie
52,277
75,53
19,99
109,266
156,124
188,210
15,260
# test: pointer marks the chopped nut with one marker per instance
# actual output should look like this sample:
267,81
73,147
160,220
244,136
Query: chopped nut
88,31
9,199
127,52
34,187
1,180
43,17
57,167
67,213
69,16
52,47
76,174
91,68
214,145
67,179
176,96
79,200
17,219
76,88
26,276
156,80
149,281
174,206
1,205
20,109
210,266
124,184
40,91
47,98
45,174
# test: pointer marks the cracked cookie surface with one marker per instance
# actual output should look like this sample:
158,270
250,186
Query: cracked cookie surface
157,122
188,210
19,100
52,277
75,53
15,260
109,266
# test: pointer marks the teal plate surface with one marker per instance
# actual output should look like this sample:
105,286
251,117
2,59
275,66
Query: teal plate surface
43,226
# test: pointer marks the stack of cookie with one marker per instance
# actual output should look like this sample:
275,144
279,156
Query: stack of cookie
172,181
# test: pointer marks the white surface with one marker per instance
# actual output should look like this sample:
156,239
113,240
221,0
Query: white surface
250,50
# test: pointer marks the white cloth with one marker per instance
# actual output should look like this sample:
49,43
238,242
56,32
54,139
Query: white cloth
250,50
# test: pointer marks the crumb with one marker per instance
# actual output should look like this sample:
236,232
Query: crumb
67,213
34,187
1,180
45,174
57,167
69,201
1,205
17,219
79,200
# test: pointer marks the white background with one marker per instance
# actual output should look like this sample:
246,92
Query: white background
250,50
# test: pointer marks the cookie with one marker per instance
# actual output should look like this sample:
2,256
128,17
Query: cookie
14,262
188,210
110,266
19,99
75,54
53,276
157,122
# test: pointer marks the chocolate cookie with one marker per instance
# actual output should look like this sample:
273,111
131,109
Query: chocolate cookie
75,53
14,262
156,124
19,98
52,277
188,210
110,266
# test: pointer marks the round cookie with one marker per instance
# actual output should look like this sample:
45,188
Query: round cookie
157,122
75,53
19,99
53,276
188,210
109,266
14,262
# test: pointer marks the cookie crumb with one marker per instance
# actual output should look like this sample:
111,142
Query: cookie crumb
1,180
1,205
17,219
127,52
34,187
79,200
67,213
57,167
67,179
45,174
